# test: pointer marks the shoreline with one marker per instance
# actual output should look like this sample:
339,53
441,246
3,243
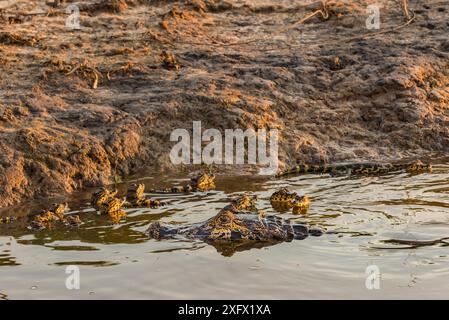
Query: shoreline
79,109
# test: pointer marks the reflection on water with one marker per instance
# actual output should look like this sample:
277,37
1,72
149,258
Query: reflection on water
86,263
415,243
228,248
398,222
5,255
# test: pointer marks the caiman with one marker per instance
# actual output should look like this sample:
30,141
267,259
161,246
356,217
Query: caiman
47,218
361,168
105,201
283,200
233,229
136,198
101,196
201,182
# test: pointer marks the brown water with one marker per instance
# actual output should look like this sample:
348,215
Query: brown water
368,219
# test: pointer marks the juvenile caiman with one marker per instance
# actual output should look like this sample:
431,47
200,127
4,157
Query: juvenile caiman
361,168
233,229
136,198
106,202
283,200
201,182
103,200
47,218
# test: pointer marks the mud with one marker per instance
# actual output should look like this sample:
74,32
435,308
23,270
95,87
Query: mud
81,108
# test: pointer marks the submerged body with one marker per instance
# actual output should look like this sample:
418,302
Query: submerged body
201,182
136,198
358,168
283,200
100,197
47,218
104,201
232,228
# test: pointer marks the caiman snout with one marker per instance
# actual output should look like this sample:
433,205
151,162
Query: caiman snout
301,232
158,231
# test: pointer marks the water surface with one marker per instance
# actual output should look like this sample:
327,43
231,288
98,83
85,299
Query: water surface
397,222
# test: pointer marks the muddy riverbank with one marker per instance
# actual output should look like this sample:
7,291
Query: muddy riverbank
81,108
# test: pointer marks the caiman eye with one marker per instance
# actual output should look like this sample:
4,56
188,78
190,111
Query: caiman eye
224,219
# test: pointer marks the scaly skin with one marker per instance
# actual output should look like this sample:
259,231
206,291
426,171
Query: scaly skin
104,200
235,222
112,205
117,216
113,208
48,218
56,213
283,199
231,229
135,192
242,203
59,209
202,182
43,220
136,199
100,197
363,168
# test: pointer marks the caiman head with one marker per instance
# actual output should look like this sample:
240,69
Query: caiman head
229,225
135,191
203,181
419,167
282,200
59,209
101,196
245,202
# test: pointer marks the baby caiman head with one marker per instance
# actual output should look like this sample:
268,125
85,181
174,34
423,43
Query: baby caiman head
282,200
203,181
135,191
246,202
59,209
419,167
102,195
226,225
283,195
